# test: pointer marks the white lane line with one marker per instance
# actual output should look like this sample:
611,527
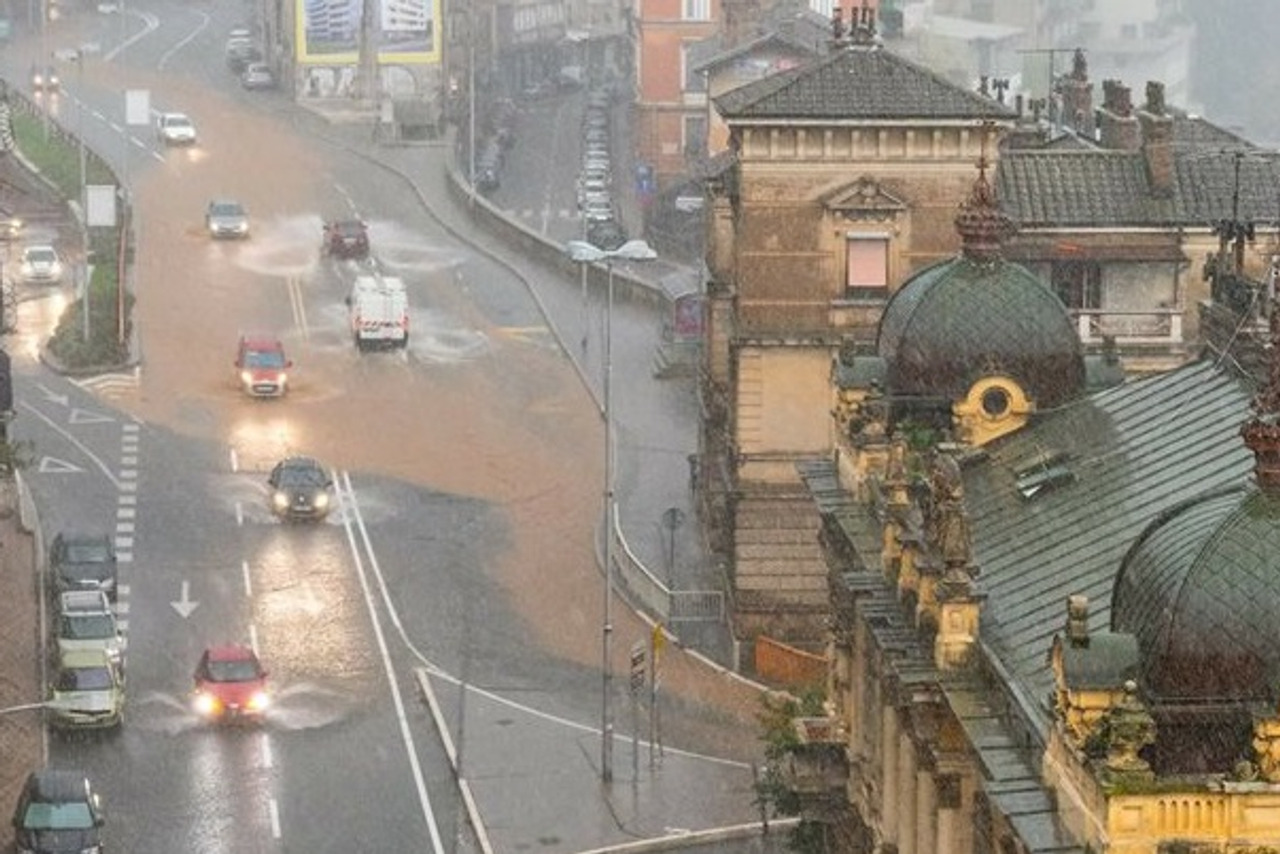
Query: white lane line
235,460
248,580
275,818
168,54
127,485
131,426
129,459
351,521
253,638
239,514
124,543
266,751
127,500
126,513
103,467
124,528
128,474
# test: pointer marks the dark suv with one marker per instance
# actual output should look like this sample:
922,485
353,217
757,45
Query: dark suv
83,561
346,238
58,811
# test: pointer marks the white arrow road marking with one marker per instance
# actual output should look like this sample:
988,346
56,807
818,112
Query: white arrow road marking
81,416
185,606
51,397
53,465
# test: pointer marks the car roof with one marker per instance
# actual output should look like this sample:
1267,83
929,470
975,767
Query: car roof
230,652
58,785
84,602
261,342
43,247
349,222
175,115
88,657
82,537
299,462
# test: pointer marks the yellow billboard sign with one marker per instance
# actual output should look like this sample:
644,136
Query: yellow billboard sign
404,32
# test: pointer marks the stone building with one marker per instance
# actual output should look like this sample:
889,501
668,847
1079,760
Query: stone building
1056,637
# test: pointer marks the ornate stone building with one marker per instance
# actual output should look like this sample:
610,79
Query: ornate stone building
1056,637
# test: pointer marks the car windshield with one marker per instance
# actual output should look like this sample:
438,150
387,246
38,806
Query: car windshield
42,816
87,627
178,122
235,670
263,359
41,256
228,209
85,679
349,229
300,475
87,553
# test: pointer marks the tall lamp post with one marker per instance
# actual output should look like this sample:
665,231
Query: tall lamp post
587,253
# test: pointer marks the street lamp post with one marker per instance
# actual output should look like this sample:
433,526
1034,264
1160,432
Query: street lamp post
587,253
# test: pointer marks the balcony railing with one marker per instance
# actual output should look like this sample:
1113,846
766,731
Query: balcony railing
1151,327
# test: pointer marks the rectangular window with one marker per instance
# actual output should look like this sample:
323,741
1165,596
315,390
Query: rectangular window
866,266
695,137
1078,284
697,10
694,81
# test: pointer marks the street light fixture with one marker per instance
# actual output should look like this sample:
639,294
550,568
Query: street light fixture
587,253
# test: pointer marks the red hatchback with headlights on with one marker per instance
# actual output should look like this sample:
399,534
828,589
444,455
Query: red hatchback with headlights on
231,684
261,366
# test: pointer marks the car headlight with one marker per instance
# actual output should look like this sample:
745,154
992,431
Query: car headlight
246,377
322,500
206,704
282,378
55,269
280,500
26,269
258,702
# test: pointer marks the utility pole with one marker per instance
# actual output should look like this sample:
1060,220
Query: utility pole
367,74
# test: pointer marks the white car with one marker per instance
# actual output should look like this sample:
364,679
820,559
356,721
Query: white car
40,265
175,129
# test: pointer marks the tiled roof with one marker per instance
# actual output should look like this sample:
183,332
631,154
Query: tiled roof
858,83
1134,451
1095,187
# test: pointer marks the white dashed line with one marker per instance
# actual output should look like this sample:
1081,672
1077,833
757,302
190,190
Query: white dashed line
275,818
235,460
124,528
127,500
126,512
253,638
248,581
124,543
239,514
266,751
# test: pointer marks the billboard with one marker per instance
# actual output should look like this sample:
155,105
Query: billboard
404,31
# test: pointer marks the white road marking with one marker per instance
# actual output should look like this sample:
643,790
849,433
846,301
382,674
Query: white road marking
253,638
275,818
168,54
127,500
129,460
266,751
239,514
124,527
73,440
248,579
128,474
235,461
81,416
53,465
351,522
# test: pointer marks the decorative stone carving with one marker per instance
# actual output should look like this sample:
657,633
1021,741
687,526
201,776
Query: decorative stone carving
1130,728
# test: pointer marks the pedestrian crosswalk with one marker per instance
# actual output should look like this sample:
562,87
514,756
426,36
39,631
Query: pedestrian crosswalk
538,214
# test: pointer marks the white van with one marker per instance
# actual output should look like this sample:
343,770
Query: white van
379,312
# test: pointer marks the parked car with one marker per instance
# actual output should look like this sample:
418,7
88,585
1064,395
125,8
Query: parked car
175,129
606,234
83,561
346,238
241,51
87,691
58,811
225,218
261,366
300,489
86,620
40,265
257,75
230,685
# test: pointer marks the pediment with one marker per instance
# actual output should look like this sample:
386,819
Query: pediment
863,196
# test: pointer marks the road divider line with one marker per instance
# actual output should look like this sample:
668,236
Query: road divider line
235,459
248,581
294,286
239,515
274,810
253,638
351,522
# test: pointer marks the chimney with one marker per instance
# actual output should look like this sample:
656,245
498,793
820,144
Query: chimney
1117,126
1078,621
1157,140
839,35
1077,96
741,21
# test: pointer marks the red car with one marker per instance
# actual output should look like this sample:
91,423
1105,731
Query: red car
346,238
261,366
230,684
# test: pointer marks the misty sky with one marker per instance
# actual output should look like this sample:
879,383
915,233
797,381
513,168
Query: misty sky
1235,70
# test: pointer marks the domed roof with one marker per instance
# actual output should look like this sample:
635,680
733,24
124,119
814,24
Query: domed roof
1200,590
977,316
961,320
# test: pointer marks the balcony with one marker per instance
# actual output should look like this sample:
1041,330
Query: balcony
817,769
1146,340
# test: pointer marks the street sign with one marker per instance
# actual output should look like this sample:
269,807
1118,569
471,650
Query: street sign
638,666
